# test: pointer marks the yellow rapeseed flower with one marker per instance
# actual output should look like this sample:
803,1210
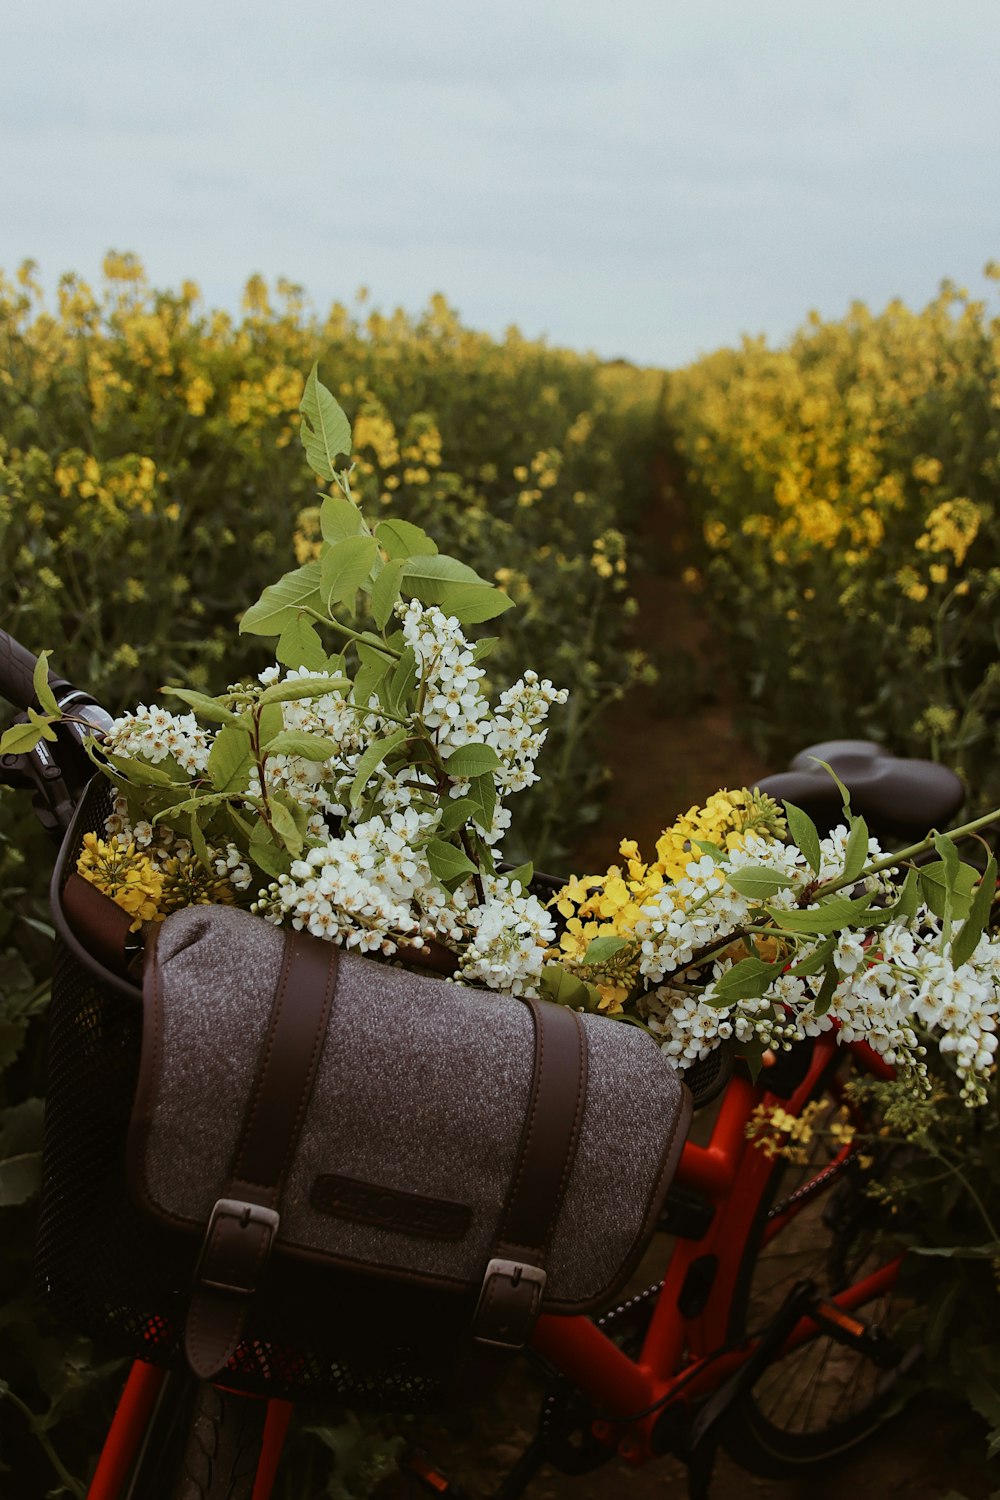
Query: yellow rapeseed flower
122,872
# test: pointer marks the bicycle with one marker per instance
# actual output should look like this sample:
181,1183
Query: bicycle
771,1330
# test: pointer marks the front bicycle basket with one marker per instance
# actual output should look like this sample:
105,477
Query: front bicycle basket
107,1271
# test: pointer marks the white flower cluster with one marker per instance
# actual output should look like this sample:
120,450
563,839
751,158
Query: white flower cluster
363,879
894,986
460,714
701,907
363,889
509,935
154,734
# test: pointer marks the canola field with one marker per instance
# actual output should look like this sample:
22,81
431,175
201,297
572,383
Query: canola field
843,489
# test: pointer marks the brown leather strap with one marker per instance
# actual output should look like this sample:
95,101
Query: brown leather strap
244,1222
515,1277
99,923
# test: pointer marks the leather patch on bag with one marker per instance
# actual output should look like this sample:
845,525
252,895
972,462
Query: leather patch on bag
390,1208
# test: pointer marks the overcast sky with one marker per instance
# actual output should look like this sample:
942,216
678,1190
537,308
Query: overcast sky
648,180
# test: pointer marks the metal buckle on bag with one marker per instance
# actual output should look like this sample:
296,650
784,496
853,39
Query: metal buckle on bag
232,1259
508,1304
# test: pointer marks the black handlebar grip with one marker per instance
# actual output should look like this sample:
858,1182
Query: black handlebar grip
17,670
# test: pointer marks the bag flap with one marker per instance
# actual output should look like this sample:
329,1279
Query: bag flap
411,1134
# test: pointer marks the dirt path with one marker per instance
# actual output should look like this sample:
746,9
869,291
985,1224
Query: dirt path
673,744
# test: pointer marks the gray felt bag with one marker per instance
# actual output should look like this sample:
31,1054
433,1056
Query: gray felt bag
301,1105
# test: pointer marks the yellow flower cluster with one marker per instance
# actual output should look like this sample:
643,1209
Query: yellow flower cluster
778,1133
148,491
844,486
148,888
951,527
121,871
609,905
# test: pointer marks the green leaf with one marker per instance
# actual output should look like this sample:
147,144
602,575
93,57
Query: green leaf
244,829
939,1318
280,602
385,591
845,795
601,949
746,980
429,577
43,722
455,813
471,760
20,1178
824,999
371,759
300,742
141,774
369,680
757,882
712,850
230,759
299,645
266,854
20,1151
401,539
447,863
270,720
523,876
201,802
563,988
401,683
948,854
483,647
828,916
294,688
904,908
285,824
816,961
40,682
805,835
199,843
965,944
340,518
482,794
204,706
856,852
945,894
325,431
20,738
471,603
344,567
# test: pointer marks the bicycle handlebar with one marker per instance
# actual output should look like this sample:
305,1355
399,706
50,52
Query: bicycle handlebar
58,770
17,670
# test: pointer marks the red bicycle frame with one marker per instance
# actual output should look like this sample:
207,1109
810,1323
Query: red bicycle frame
680,1357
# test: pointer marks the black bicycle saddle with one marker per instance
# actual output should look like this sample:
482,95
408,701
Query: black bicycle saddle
899,799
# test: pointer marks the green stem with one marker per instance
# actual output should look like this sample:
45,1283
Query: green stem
893,861
65,1477
366,638
265,805
444,782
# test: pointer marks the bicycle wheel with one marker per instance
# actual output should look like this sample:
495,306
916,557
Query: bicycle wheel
818,1222
222,1446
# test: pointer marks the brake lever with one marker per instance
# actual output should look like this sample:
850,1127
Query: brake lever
39,771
